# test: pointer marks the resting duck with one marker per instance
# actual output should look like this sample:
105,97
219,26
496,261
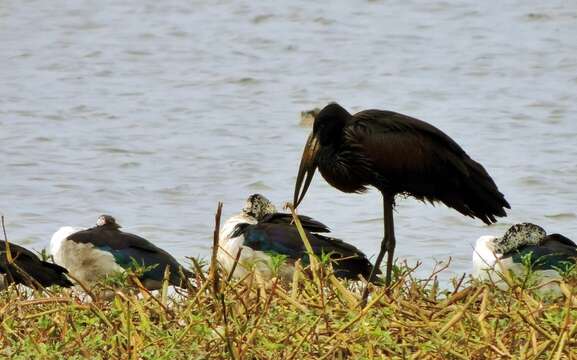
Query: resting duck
44,273
261,231
548,253
91,254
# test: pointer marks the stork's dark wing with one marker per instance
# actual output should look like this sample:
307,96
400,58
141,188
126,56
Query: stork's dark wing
307,222
411,156
391,122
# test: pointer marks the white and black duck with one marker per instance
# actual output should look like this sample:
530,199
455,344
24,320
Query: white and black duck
524,245
260,231
91,254
43,273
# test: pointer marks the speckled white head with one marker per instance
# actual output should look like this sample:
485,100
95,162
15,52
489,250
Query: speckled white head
519,235
106,220
258,206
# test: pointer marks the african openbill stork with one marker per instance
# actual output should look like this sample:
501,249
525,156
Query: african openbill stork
396,154
260,231
91,254
524,245
38,273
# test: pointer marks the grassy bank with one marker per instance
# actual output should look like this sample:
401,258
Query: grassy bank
317,318
314,316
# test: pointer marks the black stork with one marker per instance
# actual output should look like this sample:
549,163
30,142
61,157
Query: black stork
524,245
40,273
91,254
396,154
259,230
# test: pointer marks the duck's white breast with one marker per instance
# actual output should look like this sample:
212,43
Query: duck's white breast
484,258
250,259
58,238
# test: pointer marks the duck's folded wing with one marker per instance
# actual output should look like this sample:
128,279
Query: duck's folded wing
45,273
129,248
558,240
17,251
544,257
349,262
117,240
274,238
285,239
307,222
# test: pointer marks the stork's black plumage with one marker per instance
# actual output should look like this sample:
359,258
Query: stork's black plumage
43,272
396,154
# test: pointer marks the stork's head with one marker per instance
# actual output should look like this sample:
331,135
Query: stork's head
327,130
329,123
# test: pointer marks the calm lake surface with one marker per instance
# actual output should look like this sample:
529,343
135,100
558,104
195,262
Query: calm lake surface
153,111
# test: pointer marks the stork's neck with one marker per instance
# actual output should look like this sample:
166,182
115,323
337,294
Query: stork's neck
332,133
343,170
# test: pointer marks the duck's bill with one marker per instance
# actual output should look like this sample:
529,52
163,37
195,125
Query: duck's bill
307,169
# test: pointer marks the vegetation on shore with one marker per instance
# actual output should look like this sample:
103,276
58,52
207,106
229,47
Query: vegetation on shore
315,316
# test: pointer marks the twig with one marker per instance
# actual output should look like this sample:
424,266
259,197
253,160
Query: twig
312,328
226,330
215,241
460,313
234,264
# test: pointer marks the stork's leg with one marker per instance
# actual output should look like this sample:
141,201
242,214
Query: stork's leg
391,243
387,244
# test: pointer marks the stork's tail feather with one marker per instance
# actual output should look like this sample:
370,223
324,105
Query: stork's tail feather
482,197
475,194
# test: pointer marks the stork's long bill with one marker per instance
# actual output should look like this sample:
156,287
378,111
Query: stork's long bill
306,169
